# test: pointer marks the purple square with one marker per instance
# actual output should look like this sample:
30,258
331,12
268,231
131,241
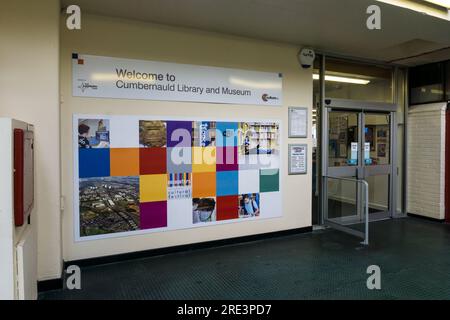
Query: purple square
179,133
153,215
227,159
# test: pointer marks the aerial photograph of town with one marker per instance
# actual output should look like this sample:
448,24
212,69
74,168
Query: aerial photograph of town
109,205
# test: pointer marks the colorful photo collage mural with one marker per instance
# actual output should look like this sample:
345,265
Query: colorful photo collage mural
138,175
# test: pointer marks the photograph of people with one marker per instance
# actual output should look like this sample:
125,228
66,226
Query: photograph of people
204,210
249,205
93,133
83,132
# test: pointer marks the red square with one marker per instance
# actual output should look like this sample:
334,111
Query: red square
227,207
80,61
152,160
227,159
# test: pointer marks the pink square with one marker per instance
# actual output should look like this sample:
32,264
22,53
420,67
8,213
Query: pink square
227,159
153,215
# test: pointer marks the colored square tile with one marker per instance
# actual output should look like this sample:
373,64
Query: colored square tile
179,159
124,161
259,161
271,205
226,134
93,163
153,187
152,160
203,159
152,134
227,207
179,133
203,184
227,159
179,185
204,134
269,180
179,213
124,132
227,183
153,215
248,181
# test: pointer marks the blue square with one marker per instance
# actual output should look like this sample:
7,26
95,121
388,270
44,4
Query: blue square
226,134
227,183
93,163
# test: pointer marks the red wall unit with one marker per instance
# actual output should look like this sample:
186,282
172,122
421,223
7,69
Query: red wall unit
447,165
23,175
19,213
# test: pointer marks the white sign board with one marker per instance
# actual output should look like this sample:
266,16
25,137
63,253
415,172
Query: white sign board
298,122
353,154
367,158
106,77
297,158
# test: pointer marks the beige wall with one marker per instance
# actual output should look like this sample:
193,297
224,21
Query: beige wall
130,39
29,82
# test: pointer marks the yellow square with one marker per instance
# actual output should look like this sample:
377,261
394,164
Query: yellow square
203,159
153,187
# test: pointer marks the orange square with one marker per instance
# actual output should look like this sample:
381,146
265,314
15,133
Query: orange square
203,184
124,161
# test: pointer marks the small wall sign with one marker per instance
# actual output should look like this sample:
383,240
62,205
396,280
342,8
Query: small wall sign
298,155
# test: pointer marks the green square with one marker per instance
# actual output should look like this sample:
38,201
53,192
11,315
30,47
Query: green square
269,180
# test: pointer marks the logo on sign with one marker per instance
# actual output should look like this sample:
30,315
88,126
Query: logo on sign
266,97
86,85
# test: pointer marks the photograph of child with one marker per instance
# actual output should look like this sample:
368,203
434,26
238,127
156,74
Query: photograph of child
204,210
249,205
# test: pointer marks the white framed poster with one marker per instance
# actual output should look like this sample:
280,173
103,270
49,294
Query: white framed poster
298,158
108,77
142,174
298,122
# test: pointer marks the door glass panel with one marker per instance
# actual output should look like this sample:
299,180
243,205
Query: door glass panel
342,139
377,139
345,206
342,199
378,193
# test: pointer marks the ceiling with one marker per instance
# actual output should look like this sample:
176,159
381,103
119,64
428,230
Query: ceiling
332,26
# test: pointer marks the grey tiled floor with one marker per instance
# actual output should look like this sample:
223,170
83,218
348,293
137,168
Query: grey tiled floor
413,254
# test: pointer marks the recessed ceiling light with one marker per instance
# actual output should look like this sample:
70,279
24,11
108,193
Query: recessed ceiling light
341,79
435,8
442,3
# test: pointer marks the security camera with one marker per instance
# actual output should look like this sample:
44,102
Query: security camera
306,57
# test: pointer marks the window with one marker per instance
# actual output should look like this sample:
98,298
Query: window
356,81
427,83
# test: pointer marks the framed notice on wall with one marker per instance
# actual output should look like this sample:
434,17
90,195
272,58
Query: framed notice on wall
297,158
142,174
298,122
